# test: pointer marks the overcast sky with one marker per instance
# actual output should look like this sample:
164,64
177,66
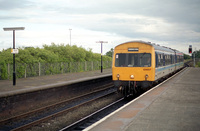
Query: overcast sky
171,23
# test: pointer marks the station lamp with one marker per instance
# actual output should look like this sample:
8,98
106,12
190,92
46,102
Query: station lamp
101,53
14,51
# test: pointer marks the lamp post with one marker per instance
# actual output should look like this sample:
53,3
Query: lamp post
13,52
70,35
101,53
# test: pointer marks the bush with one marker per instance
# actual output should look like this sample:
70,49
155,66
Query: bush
3,71
198,64
28,58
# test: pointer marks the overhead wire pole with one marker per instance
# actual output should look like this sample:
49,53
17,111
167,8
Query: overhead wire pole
101,53
70,35
13,51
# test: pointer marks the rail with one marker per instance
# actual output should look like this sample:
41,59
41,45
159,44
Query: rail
37,116
92,118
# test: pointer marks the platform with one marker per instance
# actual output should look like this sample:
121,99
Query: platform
173,105
42,82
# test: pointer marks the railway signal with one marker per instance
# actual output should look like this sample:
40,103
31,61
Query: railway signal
190,49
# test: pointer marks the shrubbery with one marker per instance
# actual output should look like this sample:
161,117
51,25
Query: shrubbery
48,54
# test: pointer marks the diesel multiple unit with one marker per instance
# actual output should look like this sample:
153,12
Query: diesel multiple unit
137,65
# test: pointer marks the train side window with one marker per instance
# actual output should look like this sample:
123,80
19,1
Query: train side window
160,60
181,58
173,59
156,59
168,60
178,58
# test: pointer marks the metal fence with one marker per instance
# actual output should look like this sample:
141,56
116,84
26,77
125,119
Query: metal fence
41,69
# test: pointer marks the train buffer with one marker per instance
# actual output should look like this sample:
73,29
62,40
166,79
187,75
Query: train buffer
173,105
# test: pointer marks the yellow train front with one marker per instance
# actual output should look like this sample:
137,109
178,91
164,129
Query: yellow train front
136,65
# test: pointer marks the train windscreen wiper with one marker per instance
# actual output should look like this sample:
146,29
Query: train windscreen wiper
143,55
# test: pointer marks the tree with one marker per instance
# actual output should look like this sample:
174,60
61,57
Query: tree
197,54
186,57
3,71
110,53
29,56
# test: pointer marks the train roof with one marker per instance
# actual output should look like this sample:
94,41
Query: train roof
156,47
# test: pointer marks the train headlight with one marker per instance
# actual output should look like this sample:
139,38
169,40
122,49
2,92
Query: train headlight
132,76
118,75
146,76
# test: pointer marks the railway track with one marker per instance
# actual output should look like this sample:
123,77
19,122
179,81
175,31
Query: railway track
27,120
44,114
96,116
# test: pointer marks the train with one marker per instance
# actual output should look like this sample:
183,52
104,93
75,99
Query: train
138,65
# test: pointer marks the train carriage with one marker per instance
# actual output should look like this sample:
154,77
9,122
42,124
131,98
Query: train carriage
137,65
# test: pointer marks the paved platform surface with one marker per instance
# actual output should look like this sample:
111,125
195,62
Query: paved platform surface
172,106
34,83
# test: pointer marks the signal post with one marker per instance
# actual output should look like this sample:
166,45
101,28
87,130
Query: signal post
190,52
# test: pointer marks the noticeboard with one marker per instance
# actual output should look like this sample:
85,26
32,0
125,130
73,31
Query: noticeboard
14,51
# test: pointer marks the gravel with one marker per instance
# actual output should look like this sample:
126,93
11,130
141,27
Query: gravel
71,117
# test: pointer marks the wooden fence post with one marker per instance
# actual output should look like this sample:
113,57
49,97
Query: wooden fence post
85,66
70,67
61,67
25,72
39,69
8,71
92,65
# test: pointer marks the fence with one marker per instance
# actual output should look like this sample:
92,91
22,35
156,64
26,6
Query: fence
41,69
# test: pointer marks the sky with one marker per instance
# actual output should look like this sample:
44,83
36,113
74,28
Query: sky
170,23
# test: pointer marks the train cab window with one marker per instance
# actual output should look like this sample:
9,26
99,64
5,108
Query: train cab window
120,60
133,60
145,60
